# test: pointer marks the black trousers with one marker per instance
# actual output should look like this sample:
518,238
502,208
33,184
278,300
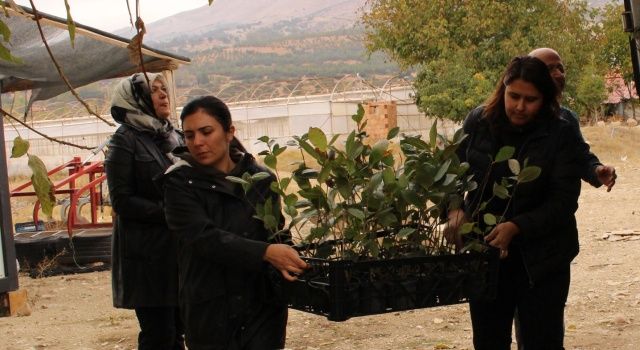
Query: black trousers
212,325
161,328
540,309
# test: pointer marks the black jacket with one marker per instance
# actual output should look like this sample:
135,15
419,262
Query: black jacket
543,209
588,162
144,271
224,282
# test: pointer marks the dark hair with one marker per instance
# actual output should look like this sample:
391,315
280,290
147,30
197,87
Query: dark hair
531,70
212,106
215,108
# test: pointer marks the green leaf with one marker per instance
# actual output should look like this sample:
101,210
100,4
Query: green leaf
355,151
5,31
290,199
388,176
264,139
318,138
271,161
359,115
449,179
466,228
284,183
42,185
433,134
71,25
309,149
291,211
405,232
442,170
357,213
275,188
278,150
375,181
20,147
504,153
270,222
324,174
489,219
260,176
334,139
6,55
500,191
393,133
237,180
377,151
529,173
514,165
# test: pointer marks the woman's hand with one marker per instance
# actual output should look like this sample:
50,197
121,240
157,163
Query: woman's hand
501,236
452,231
285,259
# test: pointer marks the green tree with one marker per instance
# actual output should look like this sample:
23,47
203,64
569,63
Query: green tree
614,47
591,91
460,47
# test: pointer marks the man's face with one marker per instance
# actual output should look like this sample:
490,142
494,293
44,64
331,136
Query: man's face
556,67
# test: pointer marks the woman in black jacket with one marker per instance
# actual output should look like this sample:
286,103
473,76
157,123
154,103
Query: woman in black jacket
144,271
538,237
224,253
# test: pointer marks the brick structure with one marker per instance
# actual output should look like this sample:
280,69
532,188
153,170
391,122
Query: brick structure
381,117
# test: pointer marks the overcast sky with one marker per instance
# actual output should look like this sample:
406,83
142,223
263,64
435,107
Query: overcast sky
110,15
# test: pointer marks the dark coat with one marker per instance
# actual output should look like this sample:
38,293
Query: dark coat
543,209
225,290
144,271
587,160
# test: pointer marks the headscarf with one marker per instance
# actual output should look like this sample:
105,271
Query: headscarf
132,105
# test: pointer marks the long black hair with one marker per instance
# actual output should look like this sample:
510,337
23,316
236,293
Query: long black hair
531,70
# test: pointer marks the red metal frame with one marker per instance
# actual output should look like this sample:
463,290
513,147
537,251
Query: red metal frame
76,169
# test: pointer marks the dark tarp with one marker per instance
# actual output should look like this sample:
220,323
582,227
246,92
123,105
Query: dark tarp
97,55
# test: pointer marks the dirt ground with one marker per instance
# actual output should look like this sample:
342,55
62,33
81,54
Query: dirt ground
603,309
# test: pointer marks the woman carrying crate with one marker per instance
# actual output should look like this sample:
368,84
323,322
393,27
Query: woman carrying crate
225,255
538,236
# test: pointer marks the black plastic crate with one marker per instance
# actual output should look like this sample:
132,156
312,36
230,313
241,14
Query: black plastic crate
340,289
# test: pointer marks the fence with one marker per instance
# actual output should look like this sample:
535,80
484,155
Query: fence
280,118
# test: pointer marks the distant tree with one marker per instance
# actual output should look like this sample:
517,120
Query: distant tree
614,47
460,47
591,91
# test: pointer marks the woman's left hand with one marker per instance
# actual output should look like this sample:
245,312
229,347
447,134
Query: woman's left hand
286,260
501,236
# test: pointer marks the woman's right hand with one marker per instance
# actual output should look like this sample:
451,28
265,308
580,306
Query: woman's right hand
452,231
286,260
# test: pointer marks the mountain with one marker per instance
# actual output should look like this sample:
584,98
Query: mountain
227,15
271,44
261,42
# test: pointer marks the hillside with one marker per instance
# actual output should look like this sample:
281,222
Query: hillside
248,42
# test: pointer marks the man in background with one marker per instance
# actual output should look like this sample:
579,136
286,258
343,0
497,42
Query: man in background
592,170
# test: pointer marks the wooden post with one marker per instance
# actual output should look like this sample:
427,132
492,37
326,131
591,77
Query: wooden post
14,304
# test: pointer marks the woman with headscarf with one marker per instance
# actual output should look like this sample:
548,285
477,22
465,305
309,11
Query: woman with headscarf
144,271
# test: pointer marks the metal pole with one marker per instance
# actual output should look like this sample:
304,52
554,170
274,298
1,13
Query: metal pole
8,271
